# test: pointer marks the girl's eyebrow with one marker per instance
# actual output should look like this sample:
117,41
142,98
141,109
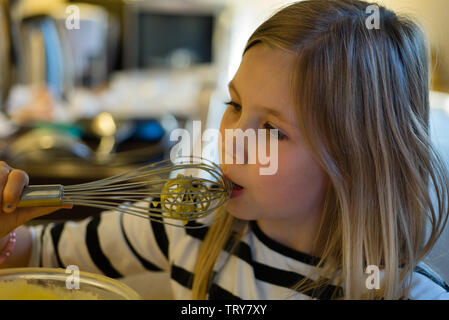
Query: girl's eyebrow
268,110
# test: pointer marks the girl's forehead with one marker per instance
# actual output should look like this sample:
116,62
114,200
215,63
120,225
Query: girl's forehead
268,62
264,78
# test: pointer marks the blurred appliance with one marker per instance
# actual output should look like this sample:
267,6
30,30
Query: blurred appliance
100,141
90,47
169,34
62,56
42,55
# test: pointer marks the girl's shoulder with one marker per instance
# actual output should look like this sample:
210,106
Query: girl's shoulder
428,285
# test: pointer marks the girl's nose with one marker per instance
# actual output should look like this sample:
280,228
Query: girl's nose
239,142
240,148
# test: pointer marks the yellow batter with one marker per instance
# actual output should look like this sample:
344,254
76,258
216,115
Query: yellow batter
22,290
184,196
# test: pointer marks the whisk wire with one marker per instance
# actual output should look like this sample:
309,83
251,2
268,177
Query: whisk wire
147,192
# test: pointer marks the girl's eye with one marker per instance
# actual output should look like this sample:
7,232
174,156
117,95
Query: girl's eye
281,136
235,106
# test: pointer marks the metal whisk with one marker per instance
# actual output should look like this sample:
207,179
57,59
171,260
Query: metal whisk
158,191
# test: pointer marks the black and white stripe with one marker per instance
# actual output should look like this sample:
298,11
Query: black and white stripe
118,245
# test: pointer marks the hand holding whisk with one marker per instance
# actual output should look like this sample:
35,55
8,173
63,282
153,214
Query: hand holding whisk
174,195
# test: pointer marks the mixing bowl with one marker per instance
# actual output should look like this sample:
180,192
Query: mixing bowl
59,284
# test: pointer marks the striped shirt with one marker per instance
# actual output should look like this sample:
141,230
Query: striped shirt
119,245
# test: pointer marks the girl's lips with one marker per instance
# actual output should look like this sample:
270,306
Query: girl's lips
236,192
234,185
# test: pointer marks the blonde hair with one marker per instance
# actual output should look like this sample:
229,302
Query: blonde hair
362,98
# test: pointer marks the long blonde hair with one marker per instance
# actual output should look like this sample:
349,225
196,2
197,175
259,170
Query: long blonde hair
362,98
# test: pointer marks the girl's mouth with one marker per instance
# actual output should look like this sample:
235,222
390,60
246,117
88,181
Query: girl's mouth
236,186
237,189
236,192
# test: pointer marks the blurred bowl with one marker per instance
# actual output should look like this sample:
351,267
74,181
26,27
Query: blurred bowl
56,284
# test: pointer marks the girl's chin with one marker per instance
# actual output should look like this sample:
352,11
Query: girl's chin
240,213
242,217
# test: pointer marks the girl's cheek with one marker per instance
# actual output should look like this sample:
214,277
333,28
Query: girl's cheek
270,193
284,177
270,181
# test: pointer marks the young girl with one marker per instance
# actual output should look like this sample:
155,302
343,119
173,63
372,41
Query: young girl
351,193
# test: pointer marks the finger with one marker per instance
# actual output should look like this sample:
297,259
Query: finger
5,165
16,182
4,172
9,222
26,214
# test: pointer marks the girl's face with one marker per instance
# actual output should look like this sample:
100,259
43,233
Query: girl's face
296,191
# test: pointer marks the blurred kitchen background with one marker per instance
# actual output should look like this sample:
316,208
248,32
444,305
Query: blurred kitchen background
91,88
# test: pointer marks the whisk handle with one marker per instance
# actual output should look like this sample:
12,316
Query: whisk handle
42,196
